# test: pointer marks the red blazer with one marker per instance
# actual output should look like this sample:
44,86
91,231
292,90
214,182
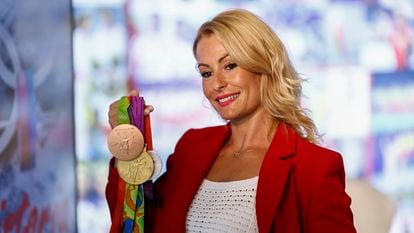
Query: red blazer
301,186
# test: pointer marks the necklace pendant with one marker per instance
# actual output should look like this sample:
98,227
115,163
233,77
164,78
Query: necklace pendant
237,154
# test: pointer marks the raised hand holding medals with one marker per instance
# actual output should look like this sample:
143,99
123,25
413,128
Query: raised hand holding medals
127,143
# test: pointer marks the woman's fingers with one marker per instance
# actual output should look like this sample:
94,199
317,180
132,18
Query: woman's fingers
113,114
113,110
133,93
148,109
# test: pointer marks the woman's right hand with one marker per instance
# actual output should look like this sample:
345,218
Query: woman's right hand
113,110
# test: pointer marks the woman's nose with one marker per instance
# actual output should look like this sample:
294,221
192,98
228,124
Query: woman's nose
219,81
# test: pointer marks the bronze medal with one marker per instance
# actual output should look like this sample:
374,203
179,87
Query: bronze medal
136,171
157,164
125,142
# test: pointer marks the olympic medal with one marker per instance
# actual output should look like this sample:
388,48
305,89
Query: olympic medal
136,171
125,142
157,164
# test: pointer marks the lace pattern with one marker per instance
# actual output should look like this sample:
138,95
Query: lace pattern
224,207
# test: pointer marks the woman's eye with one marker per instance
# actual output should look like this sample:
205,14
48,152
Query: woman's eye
231,66
205,74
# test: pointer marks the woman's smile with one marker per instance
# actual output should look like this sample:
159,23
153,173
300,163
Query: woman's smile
227,99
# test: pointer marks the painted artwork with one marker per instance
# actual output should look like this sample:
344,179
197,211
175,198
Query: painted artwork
37,160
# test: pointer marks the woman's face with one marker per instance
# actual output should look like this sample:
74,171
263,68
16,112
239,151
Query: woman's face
233,91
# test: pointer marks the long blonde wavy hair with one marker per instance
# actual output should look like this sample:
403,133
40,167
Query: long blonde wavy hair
254,46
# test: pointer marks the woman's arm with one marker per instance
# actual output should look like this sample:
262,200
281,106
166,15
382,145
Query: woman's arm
330,210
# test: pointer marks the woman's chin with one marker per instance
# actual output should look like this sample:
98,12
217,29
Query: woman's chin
228,117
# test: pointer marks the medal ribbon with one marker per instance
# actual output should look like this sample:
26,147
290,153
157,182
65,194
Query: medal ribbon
122,118
131,111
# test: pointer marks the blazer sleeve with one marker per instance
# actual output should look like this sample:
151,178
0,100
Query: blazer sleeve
114,186
111,188
330,205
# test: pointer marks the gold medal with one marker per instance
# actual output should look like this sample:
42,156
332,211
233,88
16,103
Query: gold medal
157,164
136,171
125,142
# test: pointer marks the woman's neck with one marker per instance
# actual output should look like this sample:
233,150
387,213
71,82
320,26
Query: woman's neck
257,131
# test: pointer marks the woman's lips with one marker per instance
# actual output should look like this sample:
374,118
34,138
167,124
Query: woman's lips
225,100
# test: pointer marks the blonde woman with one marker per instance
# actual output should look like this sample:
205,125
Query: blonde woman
262,171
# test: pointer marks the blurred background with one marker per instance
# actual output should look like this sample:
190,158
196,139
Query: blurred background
63,62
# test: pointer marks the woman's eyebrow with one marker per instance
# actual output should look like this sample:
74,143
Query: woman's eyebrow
223,57
219,61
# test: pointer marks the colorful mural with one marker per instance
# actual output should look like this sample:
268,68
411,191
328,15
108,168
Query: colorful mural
37,162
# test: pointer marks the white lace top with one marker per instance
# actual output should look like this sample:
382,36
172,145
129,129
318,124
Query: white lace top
224,207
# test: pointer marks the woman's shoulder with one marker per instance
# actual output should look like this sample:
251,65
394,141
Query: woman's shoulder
315,152
300,149
196,138
205,132
208,129
315,161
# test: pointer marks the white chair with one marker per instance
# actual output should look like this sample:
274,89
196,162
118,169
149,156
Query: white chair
373,211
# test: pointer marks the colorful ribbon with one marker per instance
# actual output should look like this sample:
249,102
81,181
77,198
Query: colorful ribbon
131,111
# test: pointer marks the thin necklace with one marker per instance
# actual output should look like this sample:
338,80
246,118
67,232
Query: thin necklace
237,154
242,151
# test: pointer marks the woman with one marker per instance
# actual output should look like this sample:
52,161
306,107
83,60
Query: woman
261,172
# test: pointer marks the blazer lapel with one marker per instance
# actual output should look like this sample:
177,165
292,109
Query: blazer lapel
204,150
273,176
